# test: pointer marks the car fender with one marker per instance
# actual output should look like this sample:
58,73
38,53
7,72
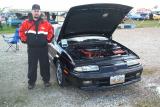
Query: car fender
61,53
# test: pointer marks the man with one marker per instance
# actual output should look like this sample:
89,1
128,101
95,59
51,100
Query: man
37,33
1,23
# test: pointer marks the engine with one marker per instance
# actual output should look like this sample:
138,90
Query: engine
91,51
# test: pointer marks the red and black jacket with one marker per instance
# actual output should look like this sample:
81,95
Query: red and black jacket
36,37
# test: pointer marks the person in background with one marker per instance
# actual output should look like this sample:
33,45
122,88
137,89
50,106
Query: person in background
37,33
1,27
151,16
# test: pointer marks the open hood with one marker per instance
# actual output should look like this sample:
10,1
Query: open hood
93,19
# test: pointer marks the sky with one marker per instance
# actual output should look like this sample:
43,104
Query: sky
62,5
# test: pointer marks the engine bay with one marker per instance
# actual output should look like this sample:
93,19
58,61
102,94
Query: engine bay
91,50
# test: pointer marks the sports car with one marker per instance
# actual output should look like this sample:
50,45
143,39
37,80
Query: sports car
84,53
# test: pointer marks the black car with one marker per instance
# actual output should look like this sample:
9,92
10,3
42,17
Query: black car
85,54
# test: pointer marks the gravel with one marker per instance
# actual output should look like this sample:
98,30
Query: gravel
146,93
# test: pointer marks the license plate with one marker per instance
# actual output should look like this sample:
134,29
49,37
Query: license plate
117,79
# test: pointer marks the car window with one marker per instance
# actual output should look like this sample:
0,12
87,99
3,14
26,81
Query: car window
57,31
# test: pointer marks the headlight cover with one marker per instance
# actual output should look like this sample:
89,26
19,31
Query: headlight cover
87,68
133,62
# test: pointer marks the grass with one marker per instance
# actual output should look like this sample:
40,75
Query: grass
145,23
7,29
139,24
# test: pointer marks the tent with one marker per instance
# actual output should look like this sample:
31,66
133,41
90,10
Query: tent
63,5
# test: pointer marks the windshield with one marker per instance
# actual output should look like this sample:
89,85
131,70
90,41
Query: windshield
86,38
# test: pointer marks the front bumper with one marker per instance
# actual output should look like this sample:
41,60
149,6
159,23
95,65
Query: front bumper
94,87
102,80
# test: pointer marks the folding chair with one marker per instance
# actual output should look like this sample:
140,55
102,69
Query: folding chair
11,41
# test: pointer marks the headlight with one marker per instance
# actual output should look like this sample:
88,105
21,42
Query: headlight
133,62
86,68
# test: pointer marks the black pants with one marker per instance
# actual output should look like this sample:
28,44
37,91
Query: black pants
34,55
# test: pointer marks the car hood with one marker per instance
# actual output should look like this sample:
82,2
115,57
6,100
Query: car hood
93,19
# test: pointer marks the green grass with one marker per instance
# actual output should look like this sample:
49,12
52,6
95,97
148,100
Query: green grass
7,29
139,24
145,23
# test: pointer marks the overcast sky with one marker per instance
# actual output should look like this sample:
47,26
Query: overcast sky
56,5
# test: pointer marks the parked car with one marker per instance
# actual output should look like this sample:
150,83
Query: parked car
16,19
14,22
138,16
156,16
53,22
85,54
145,15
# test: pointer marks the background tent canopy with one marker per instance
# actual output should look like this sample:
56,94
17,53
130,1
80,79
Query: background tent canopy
64,5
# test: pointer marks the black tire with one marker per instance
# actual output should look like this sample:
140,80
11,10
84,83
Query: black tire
60,75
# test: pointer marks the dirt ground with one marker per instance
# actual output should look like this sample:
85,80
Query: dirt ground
146,93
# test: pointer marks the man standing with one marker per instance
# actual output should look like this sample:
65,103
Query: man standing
1,23
37,33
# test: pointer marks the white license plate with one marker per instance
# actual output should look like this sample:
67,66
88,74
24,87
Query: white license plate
117,79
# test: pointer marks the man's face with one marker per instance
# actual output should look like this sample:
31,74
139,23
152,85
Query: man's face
36,13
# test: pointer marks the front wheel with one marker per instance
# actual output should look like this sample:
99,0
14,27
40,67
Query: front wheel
59,75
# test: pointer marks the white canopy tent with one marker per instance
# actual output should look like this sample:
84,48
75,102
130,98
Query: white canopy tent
156,10
64,5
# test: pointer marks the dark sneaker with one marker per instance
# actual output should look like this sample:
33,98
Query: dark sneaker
31,86
47,84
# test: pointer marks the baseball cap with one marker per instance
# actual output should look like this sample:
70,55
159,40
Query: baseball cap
35,6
